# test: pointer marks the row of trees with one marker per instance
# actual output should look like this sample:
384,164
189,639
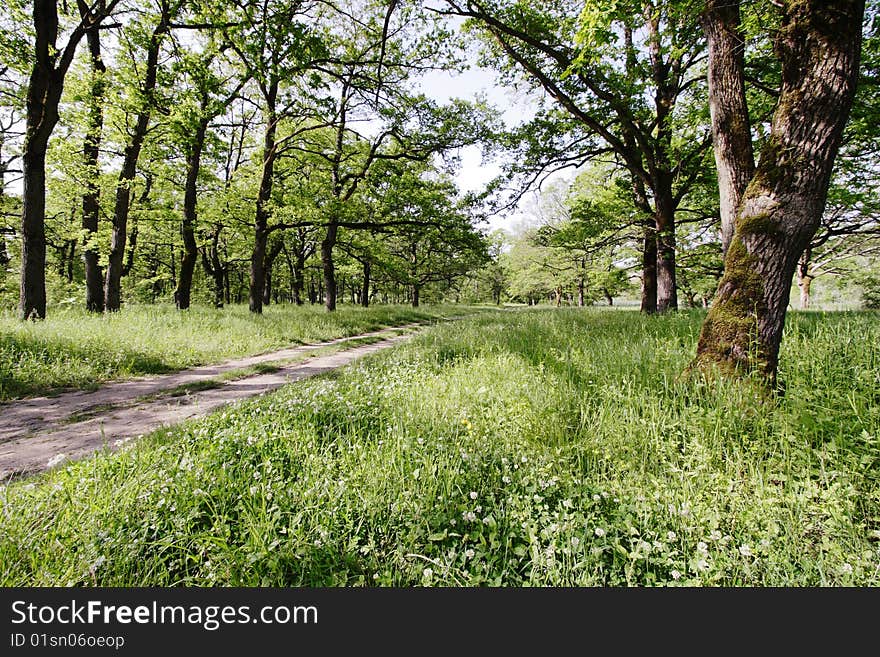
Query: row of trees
228,134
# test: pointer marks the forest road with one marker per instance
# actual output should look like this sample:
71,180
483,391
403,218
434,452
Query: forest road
40,433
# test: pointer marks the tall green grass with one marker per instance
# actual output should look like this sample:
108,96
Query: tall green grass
74,349
519,448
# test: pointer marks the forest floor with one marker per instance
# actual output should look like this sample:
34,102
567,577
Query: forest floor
39,433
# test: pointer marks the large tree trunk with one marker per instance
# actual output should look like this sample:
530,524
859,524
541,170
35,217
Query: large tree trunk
264,196
818,44
416,294
44,92
327,267
91,197
45,86
728,109
115,260
183,292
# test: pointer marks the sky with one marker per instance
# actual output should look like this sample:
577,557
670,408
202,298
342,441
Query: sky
514,107
474,173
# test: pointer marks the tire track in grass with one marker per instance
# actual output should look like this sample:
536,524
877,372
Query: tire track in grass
37,434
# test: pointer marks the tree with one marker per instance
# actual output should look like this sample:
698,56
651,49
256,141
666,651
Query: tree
626,76
144,105
817,45
45,87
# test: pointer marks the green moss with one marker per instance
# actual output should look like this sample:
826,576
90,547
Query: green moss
729,334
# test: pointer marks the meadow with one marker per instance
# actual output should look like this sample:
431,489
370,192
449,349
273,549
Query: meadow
510,448
75,349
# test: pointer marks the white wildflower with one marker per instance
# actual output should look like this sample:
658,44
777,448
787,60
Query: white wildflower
702,548
745,550
598,531
671,536
473,494
675,574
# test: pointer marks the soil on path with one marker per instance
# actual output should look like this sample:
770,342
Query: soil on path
39,433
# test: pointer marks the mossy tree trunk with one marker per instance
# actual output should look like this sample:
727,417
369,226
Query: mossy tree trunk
818,45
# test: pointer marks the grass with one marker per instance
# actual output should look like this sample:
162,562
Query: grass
512,449
72,349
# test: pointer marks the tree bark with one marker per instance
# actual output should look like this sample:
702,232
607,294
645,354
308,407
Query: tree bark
271,255
113,278
728,109
327,267
667,289
416,294
264,196
91,197
649,269
44,92
365,288
818,45
183,292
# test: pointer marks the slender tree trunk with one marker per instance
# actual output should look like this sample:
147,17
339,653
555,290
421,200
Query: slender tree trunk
327,267
113,278
183,293
70,258
667,289
299,279
264,196
271,255
91,197
649,269
819,46
805,277
728,109
365,289
4,253
416,294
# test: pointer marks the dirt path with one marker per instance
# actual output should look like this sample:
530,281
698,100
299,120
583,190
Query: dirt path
37,434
